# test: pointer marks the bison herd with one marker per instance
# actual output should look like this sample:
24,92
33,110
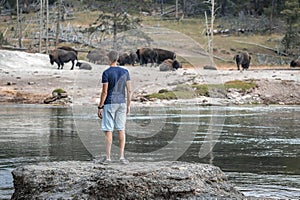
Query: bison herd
143,56
164,59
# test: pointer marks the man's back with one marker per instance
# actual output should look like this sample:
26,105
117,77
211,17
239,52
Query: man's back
116,77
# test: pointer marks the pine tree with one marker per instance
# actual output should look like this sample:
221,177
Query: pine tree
291,14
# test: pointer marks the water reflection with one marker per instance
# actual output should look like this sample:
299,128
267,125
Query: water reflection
64,142
148,132
35,134
258,147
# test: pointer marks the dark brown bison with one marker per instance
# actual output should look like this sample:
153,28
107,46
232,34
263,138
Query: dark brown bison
134,58
242,59
68,49
61,56
295,63
176,64
169,65
129,59
146,55
124,59
164,55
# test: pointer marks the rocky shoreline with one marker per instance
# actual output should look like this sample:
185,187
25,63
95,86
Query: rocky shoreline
137,180
33,80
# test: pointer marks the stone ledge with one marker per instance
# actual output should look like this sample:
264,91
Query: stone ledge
137,180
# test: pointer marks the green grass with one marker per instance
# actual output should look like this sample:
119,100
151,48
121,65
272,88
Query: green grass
168,95
242,85
225,47
195,90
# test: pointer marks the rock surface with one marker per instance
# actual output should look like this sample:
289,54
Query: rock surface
137,180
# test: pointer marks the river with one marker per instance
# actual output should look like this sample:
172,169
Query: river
258,147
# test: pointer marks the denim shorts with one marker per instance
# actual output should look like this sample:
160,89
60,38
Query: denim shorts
114,116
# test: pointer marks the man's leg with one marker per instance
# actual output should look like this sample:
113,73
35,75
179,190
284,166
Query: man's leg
108,141
122,140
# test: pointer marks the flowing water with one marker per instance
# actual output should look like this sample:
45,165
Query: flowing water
258,147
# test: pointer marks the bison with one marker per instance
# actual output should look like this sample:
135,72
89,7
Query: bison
61,56
134,58
98,56
129,59
242,59
169,65
164,55
85,66
124,59
295,63
68,49
146,55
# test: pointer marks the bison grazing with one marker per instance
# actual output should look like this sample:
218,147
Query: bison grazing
295,63
169,65
146,55
85,66
164,55
242,59
61,56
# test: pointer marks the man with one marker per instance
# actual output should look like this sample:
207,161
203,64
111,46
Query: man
113,106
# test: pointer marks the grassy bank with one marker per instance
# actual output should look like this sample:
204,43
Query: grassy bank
197,90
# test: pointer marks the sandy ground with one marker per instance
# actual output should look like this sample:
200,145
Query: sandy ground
30,78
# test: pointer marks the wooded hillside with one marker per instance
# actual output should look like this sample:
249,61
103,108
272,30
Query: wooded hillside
39,25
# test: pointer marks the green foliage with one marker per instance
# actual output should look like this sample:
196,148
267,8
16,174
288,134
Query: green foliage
201,89
58,91
291,14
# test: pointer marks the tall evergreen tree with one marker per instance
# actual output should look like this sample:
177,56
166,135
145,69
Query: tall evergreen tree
291,14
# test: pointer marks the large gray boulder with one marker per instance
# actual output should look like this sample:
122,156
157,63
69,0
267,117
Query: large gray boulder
137,180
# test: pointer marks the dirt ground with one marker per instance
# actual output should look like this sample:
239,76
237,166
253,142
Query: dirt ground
30,79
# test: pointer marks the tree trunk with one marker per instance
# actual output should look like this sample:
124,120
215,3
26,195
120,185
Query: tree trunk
115,29
41,26
57,23
176,13
47,25
212,19
19,25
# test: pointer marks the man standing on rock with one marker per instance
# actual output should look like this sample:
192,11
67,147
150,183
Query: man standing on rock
113,106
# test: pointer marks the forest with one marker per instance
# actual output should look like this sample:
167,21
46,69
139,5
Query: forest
225,8
256,16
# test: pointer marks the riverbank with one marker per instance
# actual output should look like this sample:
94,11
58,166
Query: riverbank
30,79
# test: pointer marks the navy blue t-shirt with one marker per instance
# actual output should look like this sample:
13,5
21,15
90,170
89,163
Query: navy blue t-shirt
116,77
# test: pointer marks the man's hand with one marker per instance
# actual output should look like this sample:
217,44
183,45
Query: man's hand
100,113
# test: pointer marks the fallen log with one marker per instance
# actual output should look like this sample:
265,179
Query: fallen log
262,46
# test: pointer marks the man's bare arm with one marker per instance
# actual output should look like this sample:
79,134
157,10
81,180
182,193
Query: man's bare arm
128,89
